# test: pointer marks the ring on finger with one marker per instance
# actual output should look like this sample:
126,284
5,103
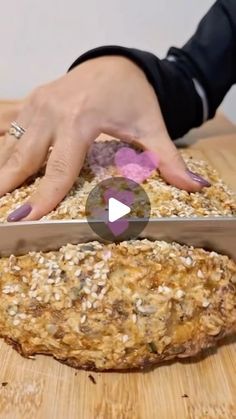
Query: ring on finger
16,130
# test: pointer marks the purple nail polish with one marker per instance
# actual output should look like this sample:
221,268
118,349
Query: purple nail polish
20,213
197,178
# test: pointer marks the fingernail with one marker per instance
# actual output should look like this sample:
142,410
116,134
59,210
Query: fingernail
197,178
20,213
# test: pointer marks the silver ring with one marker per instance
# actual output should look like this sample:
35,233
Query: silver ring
16,130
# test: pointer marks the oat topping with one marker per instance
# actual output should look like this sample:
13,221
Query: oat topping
165,200
135,307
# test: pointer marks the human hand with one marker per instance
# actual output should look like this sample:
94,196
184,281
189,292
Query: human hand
105,95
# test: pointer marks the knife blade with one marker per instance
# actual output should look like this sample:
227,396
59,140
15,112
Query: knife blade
212,233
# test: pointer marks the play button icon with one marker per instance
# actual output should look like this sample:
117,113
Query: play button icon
117,209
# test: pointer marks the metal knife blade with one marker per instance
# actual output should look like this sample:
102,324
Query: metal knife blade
212,233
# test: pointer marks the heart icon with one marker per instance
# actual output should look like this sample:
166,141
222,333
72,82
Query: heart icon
127,197
117,228
135,166
121,225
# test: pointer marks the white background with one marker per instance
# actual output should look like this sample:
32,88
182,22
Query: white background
39,39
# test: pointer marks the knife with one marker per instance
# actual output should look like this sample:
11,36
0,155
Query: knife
211,233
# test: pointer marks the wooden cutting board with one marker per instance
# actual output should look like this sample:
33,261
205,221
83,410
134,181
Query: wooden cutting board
191,389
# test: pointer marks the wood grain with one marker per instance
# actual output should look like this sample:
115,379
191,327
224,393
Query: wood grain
192,389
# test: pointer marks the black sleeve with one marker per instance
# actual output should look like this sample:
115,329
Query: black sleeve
208,59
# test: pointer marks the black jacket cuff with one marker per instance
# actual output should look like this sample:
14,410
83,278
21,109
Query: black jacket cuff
179,102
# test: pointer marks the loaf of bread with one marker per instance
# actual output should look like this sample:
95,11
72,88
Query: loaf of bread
166,200
117,306
120,306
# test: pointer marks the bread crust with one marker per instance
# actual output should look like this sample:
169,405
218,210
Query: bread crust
122,306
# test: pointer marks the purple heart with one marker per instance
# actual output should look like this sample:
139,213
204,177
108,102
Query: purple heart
126,197
135,166
118,227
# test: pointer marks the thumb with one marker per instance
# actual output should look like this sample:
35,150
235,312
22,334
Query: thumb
172,166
